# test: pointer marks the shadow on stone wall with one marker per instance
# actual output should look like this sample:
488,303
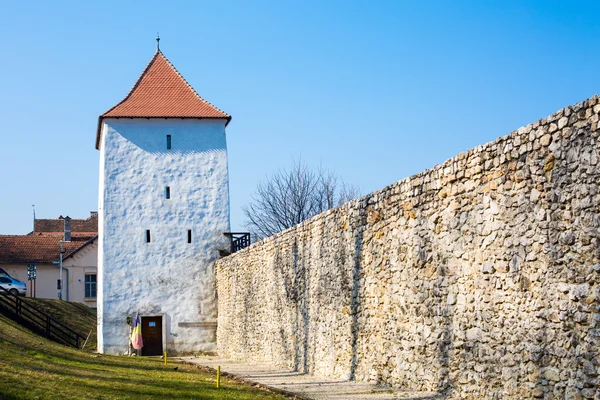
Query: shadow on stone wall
433,255
445,340
302,305
360,225
283,300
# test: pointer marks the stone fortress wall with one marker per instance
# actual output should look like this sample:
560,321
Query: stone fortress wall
479,277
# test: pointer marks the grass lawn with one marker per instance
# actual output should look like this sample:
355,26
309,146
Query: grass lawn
32,367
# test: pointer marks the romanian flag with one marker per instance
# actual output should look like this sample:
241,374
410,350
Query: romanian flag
136,335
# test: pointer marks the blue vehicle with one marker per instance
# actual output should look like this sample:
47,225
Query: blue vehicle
13,286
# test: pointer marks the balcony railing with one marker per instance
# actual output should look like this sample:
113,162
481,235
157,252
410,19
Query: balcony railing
238,240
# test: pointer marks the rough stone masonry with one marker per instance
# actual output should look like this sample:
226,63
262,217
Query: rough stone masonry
479,278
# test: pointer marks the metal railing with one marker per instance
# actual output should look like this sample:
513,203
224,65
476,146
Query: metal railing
238,240
30,316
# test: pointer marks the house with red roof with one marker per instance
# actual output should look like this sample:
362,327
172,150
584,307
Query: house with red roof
42,247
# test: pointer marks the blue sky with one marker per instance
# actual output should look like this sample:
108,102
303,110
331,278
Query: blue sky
375,90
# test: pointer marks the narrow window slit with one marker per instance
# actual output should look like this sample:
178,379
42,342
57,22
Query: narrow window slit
189,236
147,235
168,192
168,142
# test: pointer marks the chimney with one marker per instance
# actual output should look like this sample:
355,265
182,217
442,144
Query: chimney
67,229
93,214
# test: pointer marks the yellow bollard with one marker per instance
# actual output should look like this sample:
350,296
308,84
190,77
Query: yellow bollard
218,376
165,357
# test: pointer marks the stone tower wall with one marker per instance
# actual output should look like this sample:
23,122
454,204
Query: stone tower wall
167,277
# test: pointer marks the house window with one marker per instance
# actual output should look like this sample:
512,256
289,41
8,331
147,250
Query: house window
189,236
147,235
168,142
90,286
168,192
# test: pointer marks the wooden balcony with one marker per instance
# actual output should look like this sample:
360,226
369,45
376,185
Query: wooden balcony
238,240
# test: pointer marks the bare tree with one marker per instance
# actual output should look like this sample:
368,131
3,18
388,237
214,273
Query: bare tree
290,197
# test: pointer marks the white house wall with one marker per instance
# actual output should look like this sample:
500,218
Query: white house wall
80,264
168,275
75,268
46,275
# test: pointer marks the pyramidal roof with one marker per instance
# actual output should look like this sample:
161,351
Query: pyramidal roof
161,92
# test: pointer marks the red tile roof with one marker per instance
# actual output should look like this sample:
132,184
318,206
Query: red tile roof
62,234
161,92
16,249
89,225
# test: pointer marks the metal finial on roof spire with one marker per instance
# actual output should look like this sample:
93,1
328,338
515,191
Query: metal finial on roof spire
157,42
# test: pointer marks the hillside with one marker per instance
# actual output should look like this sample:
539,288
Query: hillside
35,368
76,316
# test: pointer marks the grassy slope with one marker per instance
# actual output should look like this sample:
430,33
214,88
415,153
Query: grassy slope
76,316
32,367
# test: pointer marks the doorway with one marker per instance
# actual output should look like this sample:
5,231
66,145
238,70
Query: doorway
152,336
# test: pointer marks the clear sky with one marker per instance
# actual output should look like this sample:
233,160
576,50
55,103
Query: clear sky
375,90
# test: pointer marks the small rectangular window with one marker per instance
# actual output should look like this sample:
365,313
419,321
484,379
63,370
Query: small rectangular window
90,286
147,235
168,192
189,236
168,142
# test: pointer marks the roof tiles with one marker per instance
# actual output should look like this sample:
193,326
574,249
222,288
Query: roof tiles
161,92
16,249
58,225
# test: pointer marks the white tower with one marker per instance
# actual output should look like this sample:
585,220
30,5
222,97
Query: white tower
163,208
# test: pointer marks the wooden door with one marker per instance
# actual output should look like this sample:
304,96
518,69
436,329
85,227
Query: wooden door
152,336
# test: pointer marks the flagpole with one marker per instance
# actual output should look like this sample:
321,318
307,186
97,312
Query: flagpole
129,346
